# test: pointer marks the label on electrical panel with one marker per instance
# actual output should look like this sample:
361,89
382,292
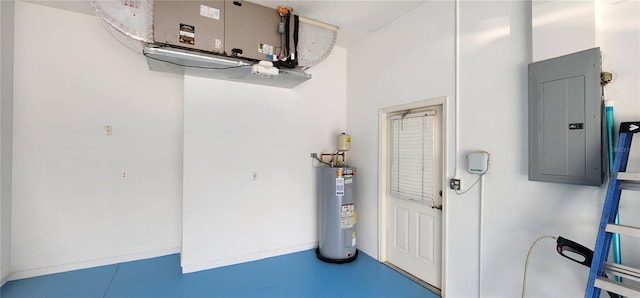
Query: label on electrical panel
573,126
210,12
339,186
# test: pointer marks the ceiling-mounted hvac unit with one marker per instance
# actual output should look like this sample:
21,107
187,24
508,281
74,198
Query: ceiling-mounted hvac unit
218,39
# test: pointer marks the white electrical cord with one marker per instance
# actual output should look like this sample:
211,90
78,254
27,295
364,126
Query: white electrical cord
470,187
480,245
526,263
477,180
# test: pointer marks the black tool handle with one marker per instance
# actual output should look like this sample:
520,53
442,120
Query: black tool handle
564,245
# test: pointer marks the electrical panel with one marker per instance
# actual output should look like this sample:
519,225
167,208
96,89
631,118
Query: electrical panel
251,31
190,24
565,120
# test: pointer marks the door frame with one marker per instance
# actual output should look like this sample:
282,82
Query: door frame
383,136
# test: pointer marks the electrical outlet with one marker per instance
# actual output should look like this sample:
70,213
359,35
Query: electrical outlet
455,184
314,155
124,175
606,77
108,130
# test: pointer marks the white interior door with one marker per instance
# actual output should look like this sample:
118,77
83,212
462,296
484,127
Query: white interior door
414,243
414,216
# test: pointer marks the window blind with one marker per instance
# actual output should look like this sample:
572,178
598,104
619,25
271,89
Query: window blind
413,156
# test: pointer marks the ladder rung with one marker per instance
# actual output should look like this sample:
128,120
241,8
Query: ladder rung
627,176
630,181
622,271
629,185
616,287
624,230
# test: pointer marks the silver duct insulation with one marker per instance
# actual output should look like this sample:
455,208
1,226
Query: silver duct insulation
133,18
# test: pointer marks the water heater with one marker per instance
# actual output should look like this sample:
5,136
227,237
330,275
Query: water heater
337,214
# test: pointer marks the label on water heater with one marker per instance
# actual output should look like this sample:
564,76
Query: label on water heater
347,210
347,216
339,186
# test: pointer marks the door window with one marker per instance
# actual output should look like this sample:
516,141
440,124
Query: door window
413,156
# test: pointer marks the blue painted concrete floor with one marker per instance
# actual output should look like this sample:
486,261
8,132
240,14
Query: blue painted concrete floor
294,275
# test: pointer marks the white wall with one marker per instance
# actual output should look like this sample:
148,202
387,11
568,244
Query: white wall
71,209
620,44
562,27
419,53
6,132
495,48
232,130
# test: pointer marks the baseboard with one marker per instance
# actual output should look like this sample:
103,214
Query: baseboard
215,263
20,273
4,275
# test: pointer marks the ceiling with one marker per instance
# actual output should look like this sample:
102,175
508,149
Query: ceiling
356,19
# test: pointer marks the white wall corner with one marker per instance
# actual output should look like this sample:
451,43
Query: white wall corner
218,192
232,260
598,23
7,21
4,275
563,27
43,269
85,214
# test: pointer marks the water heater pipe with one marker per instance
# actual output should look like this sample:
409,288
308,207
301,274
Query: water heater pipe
333,156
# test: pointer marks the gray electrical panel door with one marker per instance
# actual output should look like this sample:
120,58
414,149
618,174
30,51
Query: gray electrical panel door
565,119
